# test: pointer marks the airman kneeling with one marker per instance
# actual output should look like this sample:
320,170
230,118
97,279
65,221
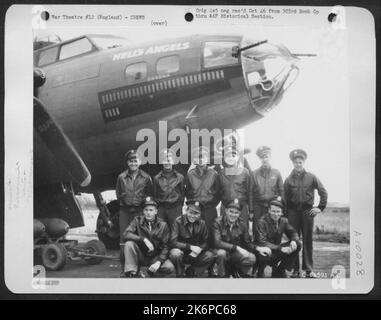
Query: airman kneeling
189,242
147,244
268,234
235,251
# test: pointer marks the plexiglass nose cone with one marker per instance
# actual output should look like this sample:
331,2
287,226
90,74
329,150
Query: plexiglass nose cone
270,69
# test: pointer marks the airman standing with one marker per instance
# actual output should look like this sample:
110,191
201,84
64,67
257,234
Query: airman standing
132,187
169,189
234,182
201,185
267,184
299,189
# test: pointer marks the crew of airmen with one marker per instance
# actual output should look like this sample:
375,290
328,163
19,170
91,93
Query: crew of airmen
156,234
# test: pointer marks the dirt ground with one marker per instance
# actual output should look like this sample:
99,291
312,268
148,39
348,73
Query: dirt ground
326,255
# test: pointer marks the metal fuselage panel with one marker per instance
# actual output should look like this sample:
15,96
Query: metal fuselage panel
101,112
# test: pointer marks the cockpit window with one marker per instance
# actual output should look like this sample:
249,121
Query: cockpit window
110,42
168,65
75,48
219,53
136,72
47,56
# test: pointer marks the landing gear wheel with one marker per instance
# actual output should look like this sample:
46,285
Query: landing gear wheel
95,247
54,256
110,236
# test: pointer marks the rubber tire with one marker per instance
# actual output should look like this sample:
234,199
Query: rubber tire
111,238
95,247
60,256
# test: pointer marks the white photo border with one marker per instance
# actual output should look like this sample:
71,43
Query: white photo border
18,182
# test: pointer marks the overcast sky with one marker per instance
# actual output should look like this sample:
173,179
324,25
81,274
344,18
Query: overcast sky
313,114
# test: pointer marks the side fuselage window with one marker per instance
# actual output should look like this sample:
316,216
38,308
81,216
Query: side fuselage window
75,48
219,53
47,56
168,65
136,72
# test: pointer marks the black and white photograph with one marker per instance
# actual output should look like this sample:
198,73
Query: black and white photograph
205,149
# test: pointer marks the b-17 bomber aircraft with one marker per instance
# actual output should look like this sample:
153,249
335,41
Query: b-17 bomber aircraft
94,93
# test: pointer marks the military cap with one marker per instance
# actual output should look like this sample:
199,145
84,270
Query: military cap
263,151
277,202
194,205
149,201
131,154
298,153
236,204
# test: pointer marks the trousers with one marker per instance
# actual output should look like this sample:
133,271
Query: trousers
126,215
303,223
209,214
259,211
170,213
278,260
228,263
199,264
134,259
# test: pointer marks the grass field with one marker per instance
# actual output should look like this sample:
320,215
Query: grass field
332,225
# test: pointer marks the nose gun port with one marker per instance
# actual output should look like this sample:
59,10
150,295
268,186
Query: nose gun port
267,94
269,70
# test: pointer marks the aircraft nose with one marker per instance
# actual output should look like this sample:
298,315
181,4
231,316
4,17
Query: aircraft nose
269,70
